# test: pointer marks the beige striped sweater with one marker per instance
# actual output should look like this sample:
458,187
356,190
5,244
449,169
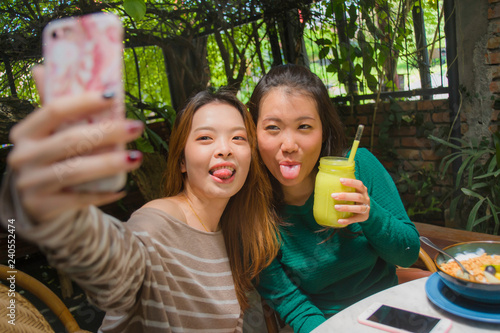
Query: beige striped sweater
151,274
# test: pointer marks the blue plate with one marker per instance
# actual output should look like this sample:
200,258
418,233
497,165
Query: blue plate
439,294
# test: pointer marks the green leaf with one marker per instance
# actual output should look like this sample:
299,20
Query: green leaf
135,8
443,142
381,59
473,214
496,139
489,174
406,118
454,207
323,41
344,50
346,65
358,70
144,145
357,52
372,82
352,26
135,113
481,220
445,165
493,165
472,194
462,168
329,10
323,53
495,216
168,114
331,68
477,186
156,139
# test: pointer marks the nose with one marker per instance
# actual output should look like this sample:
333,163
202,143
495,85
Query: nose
289,145
223,149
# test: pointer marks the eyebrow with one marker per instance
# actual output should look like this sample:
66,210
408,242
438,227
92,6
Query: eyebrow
297,119
209,128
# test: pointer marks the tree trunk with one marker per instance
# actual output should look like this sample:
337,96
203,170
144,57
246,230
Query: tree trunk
292,38
149,177
10,77
350,80
274,41
422,52
12,110
187,69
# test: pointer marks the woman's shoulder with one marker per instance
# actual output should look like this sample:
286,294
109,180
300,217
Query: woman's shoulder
157,212
368,165
364,153
366,157
167,205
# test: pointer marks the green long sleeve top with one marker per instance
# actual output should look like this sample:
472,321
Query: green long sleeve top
313,278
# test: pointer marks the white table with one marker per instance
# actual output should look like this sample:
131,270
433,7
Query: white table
409,296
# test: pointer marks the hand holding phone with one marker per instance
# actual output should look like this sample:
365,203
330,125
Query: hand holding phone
85,54
397,320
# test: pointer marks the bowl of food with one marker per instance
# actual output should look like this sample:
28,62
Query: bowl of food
482,260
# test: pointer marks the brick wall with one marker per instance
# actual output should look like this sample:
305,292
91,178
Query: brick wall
492,60
407,151
410,137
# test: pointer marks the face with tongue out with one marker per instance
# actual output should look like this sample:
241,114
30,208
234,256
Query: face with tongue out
289,133
217,153
222,173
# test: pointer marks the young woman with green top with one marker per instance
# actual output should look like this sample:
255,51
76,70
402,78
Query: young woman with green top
320,271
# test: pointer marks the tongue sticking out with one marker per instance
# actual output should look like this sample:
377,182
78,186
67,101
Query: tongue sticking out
290,171
222,173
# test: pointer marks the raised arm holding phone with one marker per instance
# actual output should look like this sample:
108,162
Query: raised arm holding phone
182,262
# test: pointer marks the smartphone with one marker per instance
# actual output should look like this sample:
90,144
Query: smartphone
85,53
397,320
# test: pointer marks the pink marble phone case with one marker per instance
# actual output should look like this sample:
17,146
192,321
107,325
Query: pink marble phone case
86,54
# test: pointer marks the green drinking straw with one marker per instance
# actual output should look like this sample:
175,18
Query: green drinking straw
355,144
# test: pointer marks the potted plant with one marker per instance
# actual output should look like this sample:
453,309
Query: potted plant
475,203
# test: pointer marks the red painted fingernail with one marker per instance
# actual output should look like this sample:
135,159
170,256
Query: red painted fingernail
134,156
135,126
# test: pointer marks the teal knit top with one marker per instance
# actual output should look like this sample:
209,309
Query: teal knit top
314,277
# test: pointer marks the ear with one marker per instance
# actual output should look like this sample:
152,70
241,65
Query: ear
183,165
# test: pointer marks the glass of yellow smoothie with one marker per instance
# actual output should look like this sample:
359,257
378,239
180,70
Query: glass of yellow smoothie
331,169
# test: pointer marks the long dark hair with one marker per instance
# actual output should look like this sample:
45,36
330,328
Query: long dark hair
295,79
248,223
